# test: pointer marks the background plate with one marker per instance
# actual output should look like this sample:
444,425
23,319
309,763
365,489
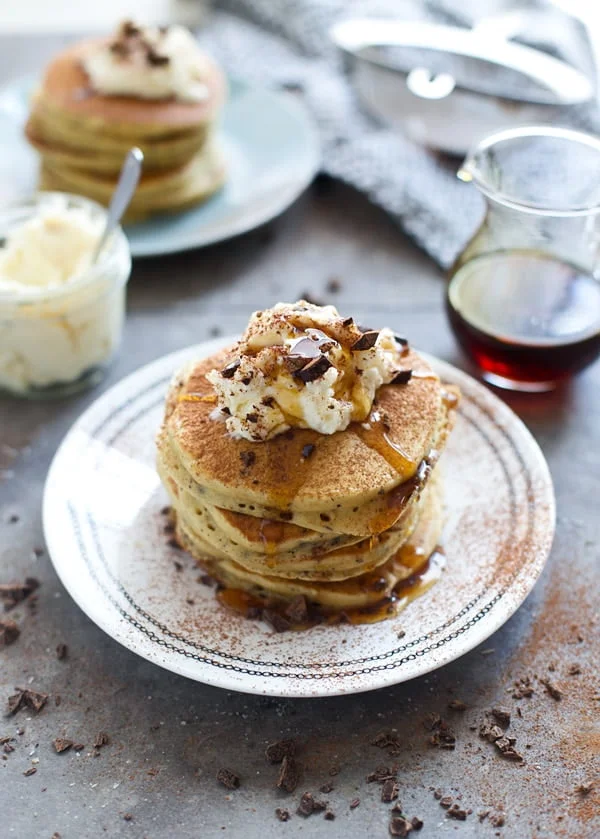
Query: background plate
270,161
105,536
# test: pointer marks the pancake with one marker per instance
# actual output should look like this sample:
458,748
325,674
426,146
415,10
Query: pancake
359,592
66,90
158,191
356,481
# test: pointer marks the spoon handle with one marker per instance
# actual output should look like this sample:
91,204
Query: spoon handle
126,186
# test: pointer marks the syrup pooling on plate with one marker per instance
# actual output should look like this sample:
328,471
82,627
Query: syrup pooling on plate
311,483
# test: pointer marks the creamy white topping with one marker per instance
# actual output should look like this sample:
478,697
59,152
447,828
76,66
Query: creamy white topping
57,322
302,365
48,251
150,63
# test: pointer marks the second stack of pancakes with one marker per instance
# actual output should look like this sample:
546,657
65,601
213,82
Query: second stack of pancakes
339,519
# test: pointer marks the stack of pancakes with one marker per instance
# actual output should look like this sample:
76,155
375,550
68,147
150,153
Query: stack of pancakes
338,519
83,137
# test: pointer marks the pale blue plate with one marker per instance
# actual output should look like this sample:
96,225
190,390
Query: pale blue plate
271,150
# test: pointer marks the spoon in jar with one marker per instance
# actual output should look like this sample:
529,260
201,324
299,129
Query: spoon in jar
126,186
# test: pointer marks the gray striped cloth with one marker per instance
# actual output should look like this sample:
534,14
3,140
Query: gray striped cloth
284,43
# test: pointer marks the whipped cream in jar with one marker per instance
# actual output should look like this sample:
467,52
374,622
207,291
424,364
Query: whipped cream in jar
61,315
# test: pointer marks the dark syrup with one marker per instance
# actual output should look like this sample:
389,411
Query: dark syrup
525,317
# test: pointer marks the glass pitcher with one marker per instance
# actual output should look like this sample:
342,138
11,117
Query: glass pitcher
523,297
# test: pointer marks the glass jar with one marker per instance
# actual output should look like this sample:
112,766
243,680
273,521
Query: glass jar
60,339
524,296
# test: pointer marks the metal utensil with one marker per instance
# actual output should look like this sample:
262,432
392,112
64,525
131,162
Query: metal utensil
126,186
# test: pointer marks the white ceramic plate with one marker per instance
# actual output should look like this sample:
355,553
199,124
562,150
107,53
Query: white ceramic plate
105,535
270,161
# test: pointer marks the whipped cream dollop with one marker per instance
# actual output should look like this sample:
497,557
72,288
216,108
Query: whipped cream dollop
302,365
149,63
48,251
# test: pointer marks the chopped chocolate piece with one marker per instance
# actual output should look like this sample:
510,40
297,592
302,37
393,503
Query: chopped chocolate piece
457,705
297,611
506,747
502,716
402,377
489,731
329,815
228,778
5,739
268,401
7,748
446,801
366,341
442,734
31,771
399,826
382,774
437,794
584,789
402,341
13,593
522,688
389,791
248,458
482,816
307,450
62,744
387,740
314,369
127,817
275,752
226,412
101,739
552,690
497,819
61,651
289,775
252,417
275,620
354,803
416,822
228,371
325,788
574,670
347,321
9,632
308,805
457,812
25,698
282,815
155,59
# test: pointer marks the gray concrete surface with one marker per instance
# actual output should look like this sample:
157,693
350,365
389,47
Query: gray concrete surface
168,735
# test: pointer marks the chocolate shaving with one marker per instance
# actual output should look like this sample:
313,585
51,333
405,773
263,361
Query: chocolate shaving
307,450
9,632
297,611
13,593
25,698
314,369
389,791
248,458
552,690
289,774
282,815
402,377
228,371
400,826
228,778
61,744
275,752
366,341
101,739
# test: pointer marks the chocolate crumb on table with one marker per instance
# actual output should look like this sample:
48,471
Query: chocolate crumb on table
387,740
400,826
62,651
127,817
552,690
442,734
62,744
13,593
31,771
289,775
282,814
522,688
329,815
502,716
326,788
101,739
309,805
389,791
9,632
228,778
584,789
354,803
457,812
26,698
275,752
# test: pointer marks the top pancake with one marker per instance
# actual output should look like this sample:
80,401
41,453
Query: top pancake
66,87
348,468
